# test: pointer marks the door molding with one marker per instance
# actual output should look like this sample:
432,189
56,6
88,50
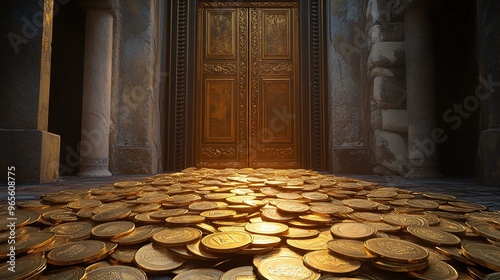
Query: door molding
182,82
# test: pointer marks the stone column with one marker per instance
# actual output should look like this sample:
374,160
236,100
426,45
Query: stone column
96,103
420,88
25,61
488,37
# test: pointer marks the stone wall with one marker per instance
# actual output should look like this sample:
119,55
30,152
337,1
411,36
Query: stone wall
387,87
135,137
348,123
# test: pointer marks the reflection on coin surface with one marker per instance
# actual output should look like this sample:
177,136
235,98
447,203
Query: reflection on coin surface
353,230
76,252
226,242
156,259
324,261
117,272
353,249
281,268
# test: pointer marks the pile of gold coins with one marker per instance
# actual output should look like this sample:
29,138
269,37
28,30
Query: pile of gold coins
249,224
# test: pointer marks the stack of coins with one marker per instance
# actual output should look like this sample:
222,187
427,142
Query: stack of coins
249,224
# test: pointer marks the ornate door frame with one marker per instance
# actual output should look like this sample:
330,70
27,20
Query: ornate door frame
179,149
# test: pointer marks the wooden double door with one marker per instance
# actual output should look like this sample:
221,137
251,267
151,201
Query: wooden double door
247,85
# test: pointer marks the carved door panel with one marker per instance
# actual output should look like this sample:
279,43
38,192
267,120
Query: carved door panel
247,111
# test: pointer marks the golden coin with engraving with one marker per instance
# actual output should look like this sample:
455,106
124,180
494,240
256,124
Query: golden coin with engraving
138,235
185,219
201,253
434,236
163,214
292,207
397,250
353,230
116,272
360,204
156,259
487,231
227,242
395,266
426,204
177,236
112,229
483,254
299,233
124,254
217,214
404,220
203,206
26,267
437,270
26,243
324,261
111,215
352,249
260,240
84,204
76,252
281,268
450,226
267,228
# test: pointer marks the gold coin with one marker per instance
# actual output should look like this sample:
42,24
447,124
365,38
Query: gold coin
299,233
440,196
200,252
310,244
454,253
116,272
58,240
25,267
177,236
112,229
4,236
138,235
353,230
348,248
286,268
218,214
292,207
317,219
260,240
422,204
383,227
185,219
76,252
434,236
238,199
404,220
324,261
203,206
226,242
360,204
468,205
366,216
398,266
128,184
277,216
267,228
111,215
487,231
145,218
483,254
84,204
278,252
437,270
450,226
60,198
163,214
155,259
397,250
288,196
61,216
27,243
325,209
315,196
199,273
239,273
124,255
218,196
70,273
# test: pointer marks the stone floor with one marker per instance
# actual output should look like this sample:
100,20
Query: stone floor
463,188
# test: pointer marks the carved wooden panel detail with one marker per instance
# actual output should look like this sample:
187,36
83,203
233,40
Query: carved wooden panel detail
220,68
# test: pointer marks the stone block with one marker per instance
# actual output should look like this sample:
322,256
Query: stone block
389,93
376,119
383,12
395,120
398,73
133,160
391,32
33,153
391,151
387,54
350,159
